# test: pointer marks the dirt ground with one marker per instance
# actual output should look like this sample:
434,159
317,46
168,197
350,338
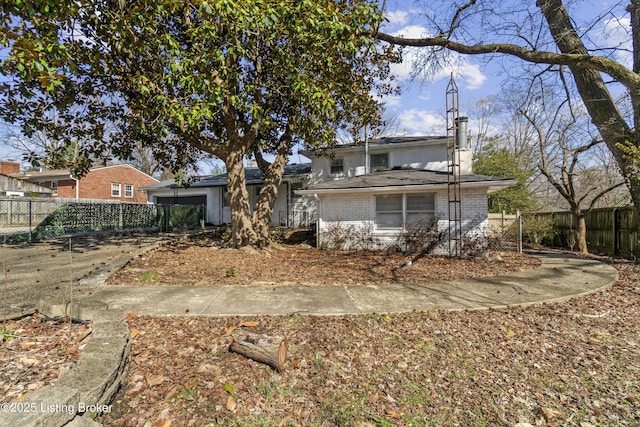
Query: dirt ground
202,261
575,363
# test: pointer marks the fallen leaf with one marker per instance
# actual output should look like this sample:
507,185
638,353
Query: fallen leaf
229,389
249,324
232,405
549,413
154,380
393,414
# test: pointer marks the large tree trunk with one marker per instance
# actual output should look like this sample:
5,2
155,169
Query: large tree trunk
269,193
595,95
242,232
580,230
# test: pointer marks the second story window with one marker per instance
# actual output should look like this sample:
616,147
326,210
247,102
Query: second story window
337,166
115,189
128,190
379,162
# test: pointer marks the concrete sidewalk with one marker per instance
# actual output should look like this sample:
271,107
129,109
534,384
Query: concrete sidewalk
559,277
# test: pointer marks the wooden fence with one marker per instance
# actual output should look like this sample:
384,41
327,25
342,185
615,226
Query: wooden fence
610,231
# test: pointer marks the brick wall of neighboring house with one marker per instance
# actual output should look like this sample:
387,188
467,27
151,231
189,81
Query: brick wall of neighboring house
8,167
98,183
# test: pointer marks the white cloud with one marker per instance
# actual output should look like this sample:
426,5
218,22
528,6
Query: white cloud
392,100
397,17
459,64
616,33
422,122
472,74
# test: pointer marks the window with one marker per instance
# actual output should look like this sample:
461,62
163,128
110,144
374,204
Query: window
398,210
337,166
389,211
225,197
295,186
419,207
379,162
128,190
115,189
54,185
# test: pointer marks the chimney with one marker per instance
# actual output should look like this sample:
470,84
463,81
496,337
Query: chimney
8,167
461,136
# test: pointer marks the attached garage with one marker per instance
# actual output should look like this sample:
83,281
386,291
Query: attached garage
182,200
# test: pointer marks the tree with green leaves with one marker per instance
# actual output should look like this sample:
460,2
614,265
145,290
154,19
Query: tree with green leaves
233,79
498,160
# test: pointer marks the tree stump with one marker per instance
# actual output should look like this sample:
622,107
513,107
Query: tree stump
262,348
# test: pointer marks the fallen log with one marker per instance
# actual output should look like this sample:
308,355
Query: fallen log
262,348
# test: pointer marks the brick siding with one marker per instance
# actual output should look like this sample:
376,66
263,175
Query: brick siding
358,210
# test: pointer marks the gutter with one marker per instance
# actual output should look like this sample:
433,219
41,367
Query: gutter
491,185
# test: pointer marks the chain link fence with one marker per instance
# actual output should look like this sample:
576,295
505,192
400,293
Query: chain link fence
504,232
39,219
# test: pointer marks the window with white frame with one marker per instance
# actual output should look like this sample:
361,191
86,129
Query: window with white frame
398,210
115,189
389,211
337,166
128,190
379,162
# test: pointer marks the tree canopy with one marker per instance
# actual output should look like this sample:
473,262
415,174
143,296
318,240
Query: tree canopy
499,161
229,78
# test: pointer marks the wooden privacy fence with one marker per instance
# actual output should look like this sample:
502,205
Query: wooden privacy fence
610,231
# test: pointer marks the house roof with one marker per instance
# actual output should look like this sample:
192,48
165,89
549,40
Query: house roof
252,175
8,183
399,179
395,141
50,174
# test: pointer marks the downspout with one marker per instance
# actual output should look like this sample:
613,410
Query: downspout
77,185
366,151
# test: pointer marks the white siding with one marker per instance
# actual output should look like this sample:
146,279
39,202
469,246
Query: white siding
430,157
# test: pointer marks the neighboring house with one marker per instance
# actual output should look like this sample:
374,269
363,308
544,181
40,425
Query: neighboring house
211,191
13,187
407,181
116,182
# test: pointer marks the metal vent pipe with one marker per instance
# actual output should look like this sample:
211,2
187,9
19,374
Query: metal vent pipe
461,132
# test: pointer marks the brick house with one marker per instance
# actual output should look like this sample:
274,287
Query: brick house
116,182
377,189
380,189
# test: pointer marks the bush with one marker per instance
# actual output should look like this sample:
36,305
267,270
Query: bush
536,228
421,236
338,236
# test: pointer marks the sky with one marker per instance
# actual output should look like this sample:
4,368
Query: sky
421,107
